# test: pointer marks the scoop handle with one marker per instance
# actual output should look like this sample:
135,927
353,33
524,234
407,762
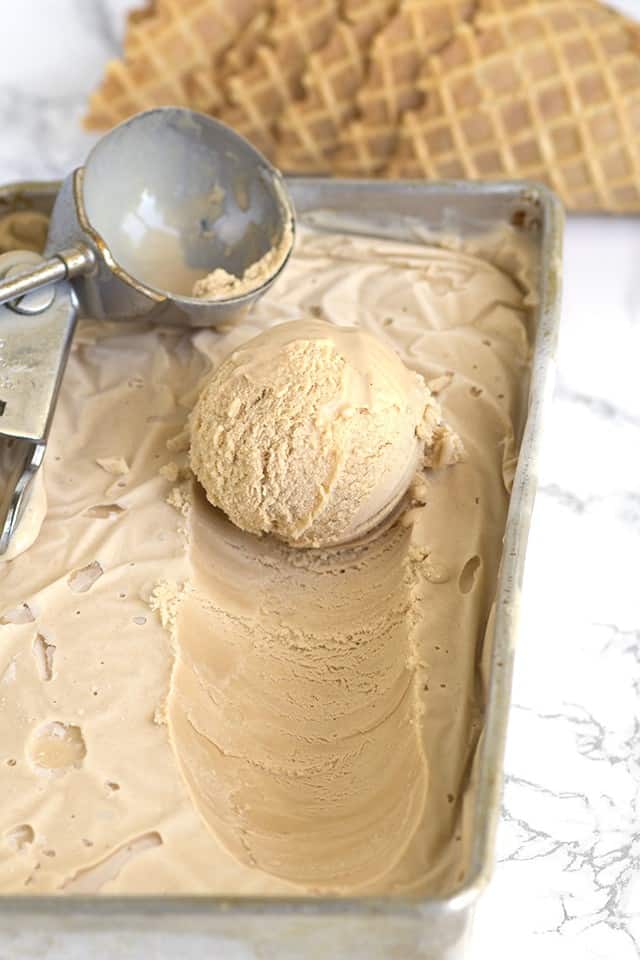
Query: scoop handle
36,331
62,266
36,327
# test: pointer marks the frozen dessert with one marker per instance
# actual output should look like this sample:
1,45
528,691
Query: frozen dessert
222,285
312,432
190,708
294,708
283,708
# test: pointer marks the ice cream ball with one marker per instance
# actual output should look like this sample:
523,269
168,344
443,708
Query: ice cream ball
312,432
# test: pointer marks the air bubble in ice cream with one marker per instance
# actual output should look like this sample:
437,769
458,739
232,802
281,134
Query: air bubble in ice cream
57,746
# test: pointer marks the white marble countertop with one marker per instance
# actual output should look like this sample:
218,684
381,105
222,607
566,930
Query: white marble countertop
567,884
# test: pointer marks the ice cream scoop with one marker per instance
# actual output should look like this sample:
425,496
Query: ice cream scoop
162,200
312,432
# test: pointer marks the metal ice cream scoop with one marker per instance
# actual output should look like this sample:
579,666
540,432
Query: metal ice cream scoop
162,200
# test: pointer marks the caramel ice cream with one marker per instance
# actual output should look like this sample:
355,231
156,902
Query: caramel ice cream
312,432
190,708
293,710
219,284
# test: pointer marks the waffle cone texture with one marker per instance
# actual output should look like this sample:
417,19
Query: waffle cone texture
541,90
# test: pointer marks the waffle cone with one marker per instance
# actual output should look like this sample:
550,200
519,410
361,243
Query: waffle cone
165,42
256,94
397,54
482,89
309,128
205,83
546,91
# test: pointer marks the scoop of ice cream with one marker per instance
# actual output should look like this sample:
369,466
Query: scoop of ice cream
311,432
221,285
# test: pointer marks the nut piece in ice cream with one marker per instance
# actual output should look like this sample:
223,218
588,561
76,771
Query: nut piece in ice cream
312,432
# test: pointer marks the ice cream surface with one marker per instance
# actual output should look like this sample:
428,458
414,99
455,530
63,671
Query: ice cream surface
288,721
294,679
312,432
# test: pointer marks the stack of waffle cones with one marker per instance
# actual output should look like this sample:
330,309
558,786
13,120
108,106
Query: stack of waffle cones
536,89
389,89
310,127
164,43
257,96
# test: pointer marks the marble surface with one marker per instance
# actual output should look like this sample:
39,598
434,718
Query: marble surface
567,882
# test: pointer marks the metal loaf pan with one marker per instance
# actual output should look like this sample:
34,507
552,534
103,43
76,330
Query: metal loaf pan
357,928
